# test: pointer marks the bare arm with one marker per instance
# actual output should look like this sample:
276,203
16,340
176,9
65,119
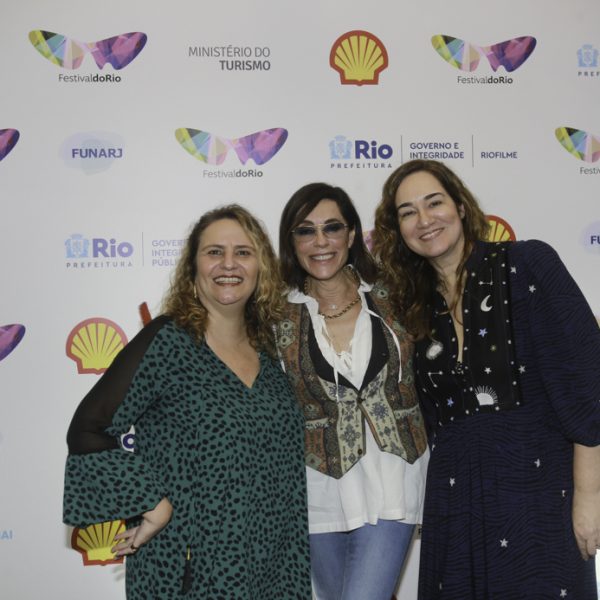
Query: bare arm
586,499
152,522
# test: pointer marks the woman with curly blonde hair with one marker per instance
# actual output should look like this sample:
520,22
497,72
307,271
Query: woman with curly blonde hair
264,306
506,363
214,492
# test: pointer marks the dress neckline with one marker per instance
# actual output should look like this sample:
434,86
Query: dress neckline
261,365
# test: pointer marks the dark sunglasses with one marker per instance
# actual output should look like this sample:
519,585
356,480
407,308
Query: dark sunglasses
332,231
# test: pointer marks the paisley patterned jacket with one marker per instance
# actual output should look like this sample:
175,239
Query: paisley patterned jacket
336,414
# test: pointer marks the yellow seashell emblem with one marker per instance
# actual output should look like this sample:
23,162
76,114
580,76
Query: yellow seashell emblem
94,343
95,542
500,230
358,56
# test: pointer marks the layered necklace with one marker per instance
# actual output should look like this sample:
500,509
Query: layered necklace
334,306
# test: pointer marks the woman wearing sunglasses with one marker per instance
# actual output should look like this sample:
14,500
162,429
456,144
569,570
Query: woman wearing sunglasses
349,361
507,372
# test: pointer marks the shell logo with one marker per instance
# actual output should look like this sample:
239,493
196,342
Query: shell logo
358,56
95,542
500,230
94,343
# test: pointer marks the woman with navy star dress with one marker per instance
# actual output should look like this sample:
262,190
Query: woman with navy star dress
508,376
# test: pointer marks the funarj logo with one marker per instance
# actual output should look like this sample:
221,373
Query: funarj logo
68,53
95,542
465,56
358,56
94,343
261,147
10,336
92,152
8,140
500,230
587,57
580,144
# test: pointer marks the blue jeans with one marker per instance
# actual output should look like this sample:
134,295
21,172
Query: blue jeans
362,564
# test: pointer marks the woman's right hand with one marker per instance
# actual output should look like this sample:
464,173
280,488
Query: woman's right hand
152,522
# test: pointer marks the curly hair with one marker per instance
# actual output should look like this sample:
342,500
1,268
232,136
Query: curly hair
411,278
262,308
302,202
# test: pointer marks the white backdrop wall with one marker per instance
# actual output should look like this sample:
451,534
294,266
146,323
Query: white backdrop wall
145,198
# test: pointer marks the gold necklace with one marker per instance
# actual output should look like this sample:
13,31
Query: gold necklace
343,311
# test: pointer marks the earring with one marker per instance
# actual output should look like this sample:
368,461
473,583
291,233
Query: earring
195,293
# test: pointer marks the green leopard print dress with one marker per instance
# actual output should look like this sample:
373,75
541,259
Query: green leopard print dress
229,458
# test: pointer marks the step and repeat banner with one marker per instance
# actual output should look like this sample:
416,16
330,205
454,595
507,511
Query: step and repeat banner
122,122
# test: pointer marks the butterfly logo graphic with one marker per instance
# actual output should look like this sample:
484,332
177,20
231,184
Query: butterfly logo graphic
68,53
261,147
465,56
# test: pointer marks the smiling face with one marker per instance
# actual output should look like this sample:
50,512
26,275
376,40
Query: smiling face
429,220
226,266
323,257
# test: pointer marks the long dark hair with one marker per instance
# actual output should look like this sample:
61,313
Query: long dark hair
411,278
301,204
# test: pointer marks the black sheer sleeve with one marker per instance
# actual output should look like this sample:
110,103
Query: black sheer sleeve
104,482
87,432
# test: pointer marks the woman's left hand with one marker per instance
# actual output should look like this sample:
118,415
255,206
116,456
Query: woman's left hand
124,542
586,522
153,521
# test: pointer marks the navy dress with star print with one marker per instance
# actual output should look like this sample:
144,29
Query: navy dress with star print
497,522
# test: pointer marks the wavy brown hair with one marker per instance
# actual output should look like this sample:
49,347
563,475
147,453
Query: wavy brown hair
302,202
411,278
262,308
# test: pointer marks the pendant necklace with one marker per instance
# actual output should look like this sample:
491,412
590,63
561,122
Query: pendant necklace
343,311
334,306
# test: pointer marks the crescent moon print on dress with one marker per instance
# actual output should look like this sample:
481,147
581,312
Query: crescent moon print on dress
485,307
487,379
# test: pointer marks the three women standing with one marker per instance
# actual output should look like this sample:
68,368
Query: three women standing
506,366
